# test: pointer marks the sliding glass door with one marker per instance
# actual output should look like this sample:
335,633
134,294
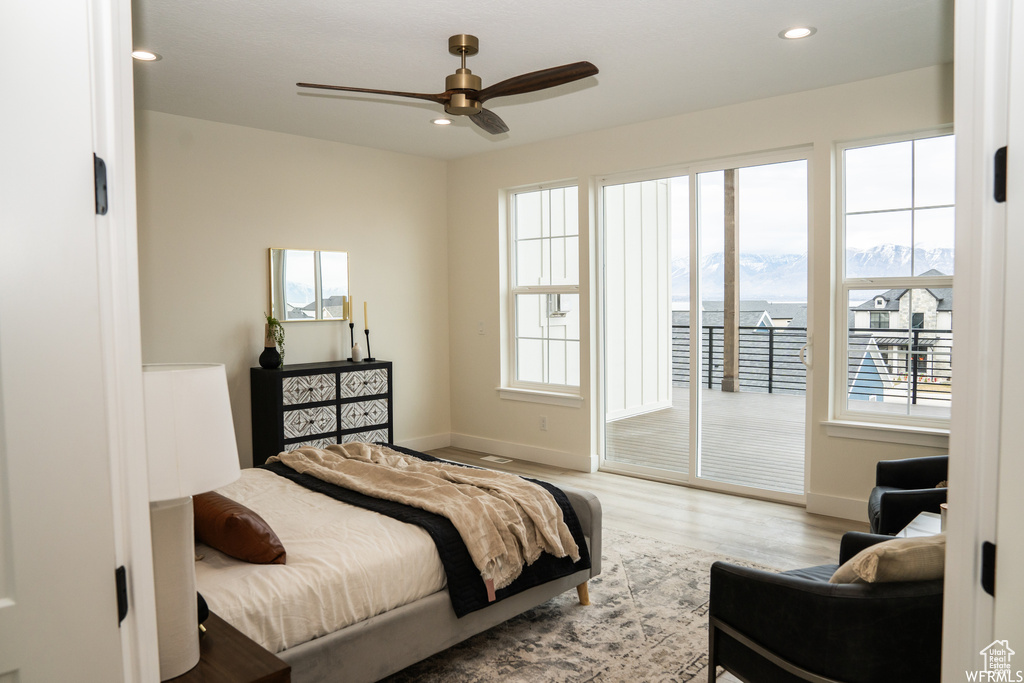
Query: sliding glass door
705,313
645,269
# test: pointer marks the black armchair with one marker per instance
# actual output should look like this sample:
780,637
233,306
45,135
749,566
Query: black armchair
905,488
795,626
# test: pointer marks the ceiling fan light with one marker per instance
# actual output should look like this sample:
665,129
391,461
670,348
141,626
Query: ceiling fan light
442,122
797,32
145,56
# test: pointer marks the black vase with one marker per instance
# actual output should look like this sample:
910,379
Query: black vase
270,358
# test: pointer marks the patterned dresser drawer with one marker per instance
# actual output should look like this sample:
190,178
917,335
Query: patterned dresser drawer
319,404
366,437
309,389
363,383
312,443
364,413
309,421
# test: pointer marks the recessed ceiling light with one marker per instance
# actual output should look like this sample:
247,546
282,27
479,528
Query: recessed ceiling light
797,32
145,56
442,122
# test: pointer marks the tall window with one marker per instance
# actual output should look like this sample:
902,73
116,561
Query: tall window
545,289
897,285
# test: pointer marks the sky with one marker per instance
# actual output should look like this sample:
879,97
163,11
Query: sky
298,265
773,210
881,179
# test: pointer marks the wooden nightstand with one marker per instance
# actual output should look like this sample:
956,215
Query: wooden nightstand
226,655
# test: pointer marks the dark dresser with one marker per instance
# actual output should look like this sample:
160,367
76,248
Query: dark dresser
318,404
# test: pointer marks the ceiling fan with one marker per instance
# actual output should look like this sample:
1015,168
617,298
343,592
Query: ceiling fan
463,95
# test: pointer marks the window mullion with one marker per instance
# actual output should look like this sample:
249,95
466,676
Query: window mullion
532,358
903,375
913,207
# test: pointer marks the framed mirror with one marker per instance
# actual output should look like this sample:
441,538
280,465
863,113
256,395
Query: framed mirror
308,285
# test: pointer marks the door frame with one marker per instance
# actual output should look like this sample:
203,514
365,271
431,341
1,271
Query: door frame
97,36
804,152
120,328
981,105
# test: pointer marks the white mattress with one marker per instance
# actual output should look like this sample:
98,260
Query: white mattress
344,564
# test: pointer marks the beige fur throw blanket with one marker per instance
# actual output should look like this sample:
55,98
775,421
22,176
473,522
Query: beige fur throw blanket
504,520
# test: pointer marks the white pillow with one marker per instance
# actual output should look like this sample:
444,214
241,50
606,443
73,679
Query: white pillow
920,558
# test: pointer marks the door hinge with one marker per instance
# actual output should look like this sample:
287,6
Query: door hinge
100,177
999,178
121,580
988,567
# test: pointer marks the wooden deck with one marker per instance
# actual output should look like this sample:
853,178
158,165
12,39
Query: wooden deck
751,439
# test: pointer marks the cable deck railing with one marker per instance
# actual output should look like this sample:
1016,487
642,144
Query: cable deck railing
900,364
769,358
886,365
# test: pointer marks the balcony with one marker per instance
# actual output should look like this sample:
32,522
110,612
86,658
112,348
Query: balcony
755,437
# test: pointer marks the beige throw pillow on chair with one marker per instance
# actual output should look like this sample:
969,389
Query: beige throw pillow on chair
920,558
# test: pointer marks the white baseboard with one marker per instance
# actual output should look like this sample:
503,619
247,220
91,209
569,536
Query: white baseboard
544,456
837,506
427,443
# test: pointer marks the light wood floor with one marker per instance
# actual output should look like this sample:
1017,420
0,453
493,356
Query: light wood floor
772,534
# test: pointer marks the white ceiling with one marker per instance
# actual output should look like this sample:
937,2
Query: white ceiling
237,61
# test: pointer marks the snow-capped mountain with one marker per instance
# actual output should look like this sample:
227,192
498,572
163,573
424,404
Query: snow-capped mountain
299,294
890,260
783,277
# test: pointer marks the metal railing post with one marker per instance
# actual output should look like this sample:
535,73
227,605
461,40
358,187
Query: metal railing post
771,357
711,356
914,364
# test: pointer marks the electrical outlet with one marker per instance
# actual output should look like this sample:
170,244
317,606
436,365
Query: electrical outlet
543,423
480,327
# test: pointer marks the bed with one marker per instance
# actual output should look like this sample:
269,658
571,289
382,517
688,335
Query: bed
361,595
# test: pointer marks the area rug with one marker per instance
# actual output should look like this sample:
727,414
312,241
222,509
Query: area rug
647,622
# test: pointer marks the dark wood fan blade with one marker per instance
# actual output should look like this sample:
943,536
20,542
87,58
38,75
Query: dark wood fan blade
538,80
490,122
441,98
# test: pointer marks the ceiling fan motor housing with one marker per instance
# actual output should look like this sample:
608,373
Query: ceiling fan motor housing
462,79
461,105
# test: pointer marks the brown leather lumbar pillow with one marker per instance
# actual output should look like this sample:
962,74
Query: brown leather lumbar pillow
235,530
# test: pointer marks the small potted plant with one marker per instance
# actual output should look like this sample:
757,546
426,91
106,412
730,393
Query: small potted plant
273,340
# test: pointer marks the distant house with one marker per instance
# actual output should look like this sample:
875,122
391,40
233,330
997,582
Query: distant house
753,313
297,312
784,314
333,308
906,336
929,309
869,375
756,318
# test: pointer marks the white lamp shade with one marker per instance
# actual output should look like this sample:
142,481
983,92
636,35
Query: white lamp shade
190,434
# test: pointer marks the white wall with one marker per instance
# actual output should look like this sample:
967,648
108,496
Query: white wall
841,469
214,197
637,325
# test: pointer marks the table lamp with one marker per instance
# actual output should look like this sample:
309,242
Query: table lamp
191,449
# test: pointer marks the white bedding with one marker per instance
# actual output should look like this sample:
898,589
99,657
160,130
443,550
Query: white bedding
344,564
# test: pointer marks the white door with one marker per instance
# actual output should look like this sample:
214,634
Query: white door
58,606
1009,598
986,431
